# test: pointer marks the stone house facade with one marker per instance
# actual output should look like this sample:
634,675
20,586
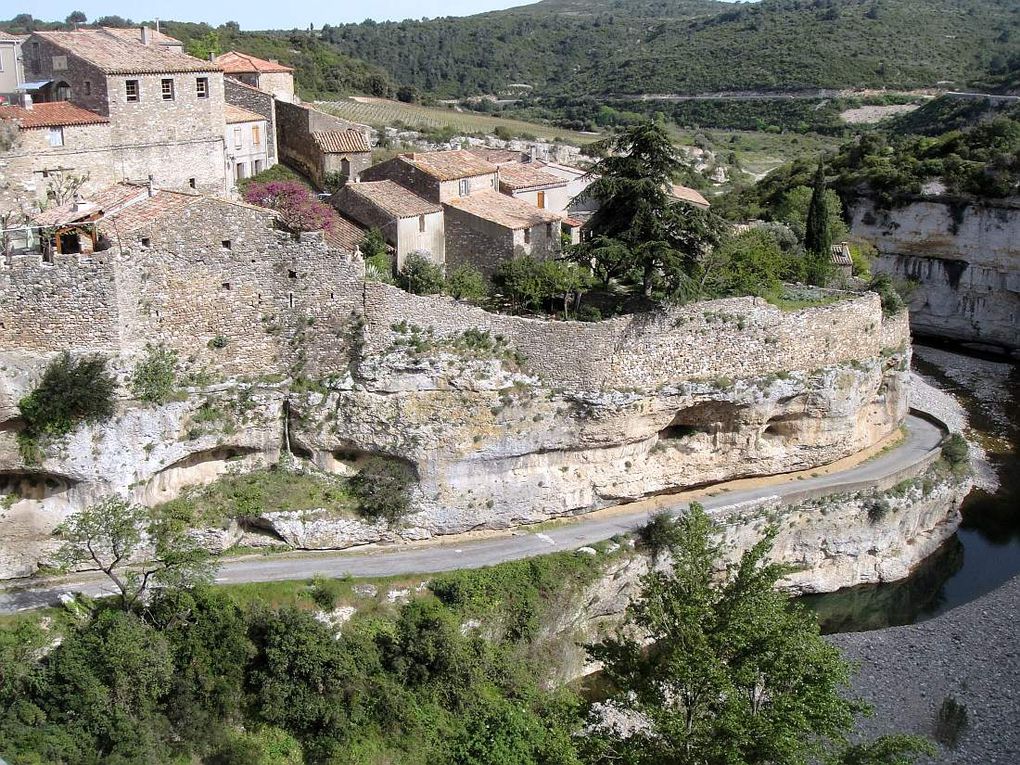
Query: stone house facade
268,76
438,176
409,223
165,110
11,72
247,141
251,99
487,228
529,182
300,131
50,137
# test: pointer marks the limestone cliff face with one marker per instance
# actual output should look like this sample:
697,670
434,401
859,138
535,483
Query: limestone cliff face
504,421
831,542
965,258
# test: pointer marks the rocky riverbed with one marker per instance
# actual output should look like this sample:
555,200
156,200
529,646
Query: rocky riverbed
971,654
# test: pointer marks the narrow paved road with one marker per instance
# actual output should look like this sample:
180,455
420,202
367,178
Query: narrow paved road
922,437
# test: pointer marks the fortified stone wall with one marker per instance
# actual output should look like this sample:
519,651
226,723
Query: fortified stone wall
964,259
65,305
734,337
254,100
229,292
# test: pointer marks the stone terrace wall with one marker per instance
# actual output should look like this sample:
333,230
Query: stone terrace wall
65,305
735,337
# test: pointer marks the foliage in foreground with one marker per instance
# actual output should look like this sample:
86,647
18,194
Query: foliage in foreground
190,675
736,673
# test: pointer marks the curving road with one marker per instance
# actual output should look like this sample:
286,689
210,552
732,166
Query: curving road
922,438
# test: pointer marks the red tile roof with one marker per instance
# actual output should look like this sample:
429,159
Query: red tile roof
53,114
496,156
450,165
113,55
341,141
8,37
689,195
237,114
517,175
392,198
134,34
344,235
107,200
234,62
503,210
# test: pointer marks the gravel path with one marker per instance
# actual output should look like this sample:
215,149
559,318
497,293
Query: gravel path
971,653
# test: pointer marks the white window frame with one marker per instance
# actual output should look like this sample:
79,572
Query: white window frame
238,139
202,87
138,91
55,133
464,188
167,95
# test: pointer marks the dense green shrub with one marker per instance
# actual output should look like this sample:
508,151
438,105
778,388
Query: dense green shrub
71,392
467,283
325,592
154,377
878,509
955,450
382,487
660,533
421,276
892,303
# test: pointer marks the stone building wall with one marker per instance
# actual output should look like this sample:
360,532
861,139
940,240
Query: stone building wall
279,84
179,141
295,125
349,165
452,190
413,239
476,243
406,175
86,150
254,100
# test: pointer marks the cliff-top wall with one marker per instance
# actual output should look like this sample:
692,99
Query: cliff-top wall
734,337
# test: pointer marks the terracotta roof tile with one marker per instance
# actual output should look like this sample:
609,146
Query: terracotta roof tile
689,195
341,141
52,114
8,37
105,200
113,55
141,215
392,198
450,165
344,235
134,34
840,254
519,175
237,114
496,156
503,210
234,62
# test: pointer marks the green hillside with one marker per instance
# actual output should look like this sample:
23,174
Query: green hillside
640,46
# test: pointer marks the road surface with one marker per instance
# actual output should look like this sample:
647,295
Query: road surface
445,555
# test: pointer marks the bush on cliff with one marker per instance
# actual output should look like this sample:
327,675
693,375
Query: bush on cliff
892,303
71,392
154,378
382,488
955,450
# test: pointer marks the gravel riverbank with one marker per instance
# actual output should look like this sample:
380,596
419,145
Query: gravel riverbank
971,653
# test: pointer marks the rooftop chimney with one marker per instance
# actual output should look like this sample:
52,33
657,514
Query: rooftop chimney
146,35
212,56
274,61
25,101
152,186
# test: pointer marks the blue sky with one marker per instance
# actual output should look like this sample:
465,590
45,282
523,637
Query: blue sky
258,14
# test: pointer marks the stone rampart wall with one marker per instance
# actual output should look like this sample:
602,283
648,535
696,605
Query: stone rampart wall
735,337
68,304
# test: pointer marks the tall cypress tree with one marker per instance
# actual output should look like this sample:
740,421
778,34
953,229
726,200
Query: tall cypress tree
817,237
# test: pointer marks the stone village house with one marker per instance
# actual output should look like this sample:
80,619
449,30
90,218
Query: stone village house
164,110
447,206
